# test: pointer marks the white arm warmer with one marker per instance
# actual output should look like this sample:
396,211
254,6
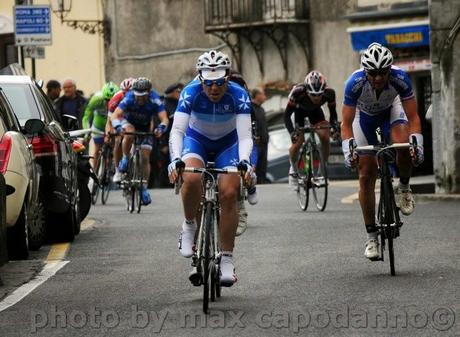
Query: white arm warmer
176,137
243,128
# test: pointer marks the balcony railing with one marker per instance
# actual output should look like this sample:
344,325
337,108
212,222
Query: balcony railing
241,13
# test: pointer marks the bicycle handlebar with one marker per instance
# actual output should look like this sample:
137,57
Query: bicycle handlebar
229,170
136,133
379,148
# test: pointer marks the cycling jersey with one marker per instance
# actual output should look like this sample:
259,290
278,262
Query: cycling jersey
96,113
372,112
115,100
359,92
222,128
301,105
140,116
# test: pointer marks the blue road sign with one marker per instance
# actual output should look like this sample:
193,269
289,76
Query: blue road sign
32,25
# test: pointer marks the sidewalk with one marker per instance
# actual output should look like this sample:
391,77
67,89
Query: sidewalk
423,188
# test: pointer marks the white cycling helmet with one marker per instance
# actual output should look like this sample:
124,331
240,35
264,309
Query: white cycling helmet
213,65
126,84
376,57
315,83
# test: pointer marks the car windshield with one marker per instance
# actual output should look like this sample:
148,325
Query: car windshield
22,101
280,139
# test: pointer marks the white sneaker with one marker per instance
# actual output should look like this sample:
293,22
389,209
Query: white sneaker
372,249
187,242
252,197
227,271
404,200
243,219
116,177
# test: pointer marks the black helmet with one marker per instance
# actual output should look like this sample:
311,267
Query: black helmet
141,86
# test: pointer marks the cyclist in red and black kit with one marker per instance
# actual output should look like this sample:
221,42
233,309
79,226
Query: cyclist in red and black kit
305,100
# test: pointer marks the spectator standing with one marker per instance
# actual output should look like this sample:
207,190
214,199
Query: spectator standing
53,90
71,103
261,137
160,156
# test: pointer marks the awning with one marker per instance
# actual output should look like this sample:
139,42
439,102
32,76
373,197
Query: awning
396,35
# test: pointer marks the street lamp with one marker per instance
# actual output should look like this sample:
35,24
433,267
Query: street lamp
62,8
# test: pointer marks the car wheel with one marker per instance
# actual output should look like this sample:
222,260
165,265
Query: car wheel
37,226
17,237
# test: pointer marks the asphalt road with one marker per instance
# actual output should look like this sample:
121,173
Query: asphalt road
299,273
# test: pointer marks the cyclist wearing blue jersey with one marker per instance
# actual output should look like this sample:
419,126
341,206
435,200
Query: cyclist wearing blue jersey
135,113
380,95
212,123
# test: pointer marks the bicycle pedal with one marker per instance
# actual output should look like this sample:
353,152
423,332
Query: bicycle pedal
195,278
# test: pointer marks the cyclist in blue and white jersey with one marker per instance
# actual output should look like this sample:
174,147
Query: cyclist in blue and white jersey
380,95
212,123
135,113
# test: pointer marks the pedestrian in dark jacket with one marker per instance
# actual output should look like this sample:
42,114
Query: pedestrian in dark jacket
261,135
72,102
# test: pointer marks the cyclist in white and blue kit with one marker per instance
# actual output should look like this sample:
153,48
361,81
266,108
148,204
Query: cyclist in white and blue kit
380,95
212,123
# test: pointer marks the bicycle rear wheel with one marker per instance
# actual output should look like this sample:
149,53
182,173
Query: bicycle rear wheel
302,182
318,179
208,219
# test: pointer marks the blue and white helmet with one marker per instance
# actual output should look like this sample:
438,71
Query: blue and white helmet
213,64
376,57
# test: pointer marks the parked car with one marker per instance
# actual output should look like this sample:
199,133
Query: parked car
54,155
24,207
278,157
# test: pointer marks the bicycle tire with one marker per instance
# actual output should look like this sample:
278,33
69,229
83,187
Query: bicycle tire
302,182
388,217
213,287
132,188
108,172
139,178
318,178
95,187
208,218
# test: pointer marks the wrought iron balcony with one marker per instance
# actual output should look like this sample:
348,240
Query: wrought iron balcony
234,14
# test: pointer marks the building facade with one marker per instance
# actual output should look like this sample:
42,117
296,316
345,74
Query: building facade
73,53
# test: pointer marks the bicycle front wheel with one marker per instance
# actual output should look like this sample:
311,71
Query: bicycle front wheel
138,182
302,182
208,219
387,209
95,188
318,179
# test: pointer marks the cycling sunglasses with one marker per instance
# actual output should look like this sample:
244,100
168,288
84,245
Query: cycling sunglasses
375,73
315,95
219,82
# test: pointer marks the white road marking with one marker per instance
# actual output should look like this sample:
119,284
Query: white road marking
49,270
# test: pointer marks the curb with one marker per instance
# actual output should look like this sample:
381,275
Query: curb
437,197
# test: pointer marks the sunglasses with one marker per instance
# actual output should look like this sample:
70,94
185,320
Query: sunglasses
219,82
315,95
375,73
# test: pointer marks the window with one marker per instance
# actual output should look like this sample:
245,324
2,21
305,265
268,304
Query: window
22,101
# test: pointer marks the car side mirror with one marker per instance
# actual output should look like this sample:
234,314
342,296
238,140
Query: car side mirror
40,83
33,126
